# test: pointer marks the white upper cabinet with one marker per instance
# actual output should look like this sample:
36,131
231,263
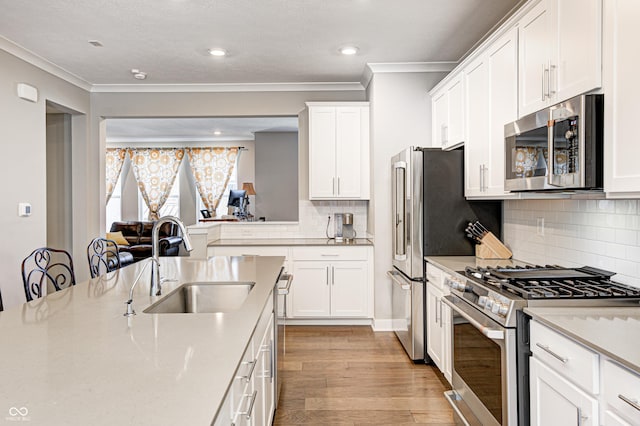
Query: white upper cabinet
338,151
560,44
622,91
491,90
448,114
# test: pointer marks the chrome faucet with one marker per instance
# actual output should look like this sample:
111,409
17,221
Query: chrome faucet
155,289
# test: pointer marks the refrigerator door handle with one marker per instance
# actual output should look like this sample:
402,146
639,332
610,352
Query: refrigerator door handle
399,210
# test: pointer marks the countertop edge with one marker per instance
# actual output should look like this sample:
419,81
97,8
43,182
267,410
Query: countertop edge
538,314
292,242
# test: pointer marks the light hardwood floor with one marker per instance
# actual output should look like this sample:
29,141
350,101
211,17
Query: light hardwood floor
342,375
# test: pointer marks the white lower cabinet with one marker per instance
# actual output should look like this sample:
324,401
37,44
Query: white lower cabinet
250,399
329,289
438,322
557,401
571,384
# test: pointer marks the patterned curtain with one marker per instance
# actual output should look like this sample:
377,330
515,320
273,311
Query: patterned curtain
212,168
155,170
114,161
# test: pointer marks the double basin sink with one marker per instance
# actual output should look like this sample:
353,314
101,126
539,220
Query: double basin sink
203,297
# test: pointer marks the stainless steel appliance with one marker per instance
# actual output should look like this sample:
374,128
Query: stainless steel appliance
557,148
344,230
280,302
490,378
429,214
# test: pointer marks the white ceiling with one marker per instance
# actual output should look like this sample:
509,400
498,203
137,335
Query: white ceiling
158,130
269,41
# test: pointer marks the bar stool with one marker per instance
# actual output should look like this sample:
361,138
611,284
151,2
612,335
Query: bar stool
47,268
104,256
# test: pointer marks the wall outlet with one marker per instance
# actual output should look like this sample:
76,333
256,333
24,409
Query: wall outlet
540,226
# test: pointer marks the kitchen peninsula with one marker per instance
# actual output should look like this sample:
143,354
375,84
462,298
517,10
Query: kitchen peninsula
74,358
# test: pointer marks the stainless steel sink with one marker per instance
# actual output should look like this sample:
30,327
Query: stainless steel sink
203,297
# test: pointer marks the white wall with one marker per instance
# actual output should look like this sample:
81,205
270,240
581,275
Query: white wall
600,233
400,117
23,174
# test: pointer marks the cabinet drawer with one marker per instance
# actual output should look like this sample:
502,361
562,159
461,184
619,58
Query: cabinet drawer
621,390
330,253
249,251
571,359
435,276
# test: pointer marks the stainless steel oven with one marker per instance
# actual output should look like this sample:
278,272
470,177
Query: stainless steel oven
557,148
484,376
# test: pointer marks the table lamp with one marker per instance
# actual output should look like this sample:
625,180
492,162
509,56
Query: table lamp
250,190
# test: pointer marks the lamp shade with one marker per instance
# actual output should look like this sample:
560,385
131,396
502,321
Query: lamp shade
248,186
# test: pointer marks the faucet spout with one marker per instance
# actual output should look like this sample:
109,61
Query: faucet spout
155,289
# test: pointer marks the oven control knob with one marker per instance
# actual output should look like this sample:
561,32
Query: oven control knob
495,308
499,308
570,134
482,300
489,304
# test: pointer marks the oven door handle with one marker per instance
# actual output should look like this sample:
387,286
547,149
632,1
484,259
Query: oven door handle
476,319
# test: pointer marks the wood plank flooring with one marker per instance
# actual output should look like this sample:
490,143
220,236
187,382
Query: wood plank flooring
349,375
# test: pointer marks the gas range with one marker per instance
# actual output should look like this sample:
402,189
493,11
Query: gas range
500,292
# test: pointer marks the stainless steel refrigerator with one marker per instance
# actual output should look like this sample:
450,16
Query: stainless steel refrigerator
429,216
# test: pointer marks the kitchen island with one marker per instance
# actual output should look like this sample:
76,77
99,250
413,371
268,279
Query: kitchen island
73,358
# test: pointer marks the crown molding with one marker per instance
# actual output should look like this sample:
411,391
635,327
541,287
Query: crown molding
45,65
400,67
223,87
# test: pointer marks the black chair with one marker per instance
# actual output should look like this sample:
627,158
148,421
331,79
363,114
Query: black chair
104,256
45,268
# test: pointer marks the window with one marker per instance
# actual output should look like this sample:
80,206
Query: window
222,207
170,208
114,206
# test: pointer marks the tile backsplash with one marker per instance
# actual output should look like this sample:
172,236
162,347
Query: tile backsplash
312,222
600,233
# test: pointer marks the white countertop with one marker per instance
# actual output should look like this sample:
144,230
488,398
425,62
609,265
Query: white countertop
614,332
289,242
72,358
458,263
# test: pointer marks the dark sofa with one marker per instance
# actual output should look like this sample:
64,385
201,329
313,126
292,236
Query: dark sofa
138,234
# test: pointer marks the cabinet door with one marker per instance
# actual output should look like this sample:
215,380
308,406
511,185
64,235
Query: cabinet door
556,401
533,53
310,290
621,64
349,289
440,106
455,134
611,419
502,69
348,152
434,326
322,152
576,62
477,121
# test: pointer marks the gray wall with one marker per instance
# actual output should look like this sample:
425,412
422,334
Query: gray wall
23,174
59,202
400,117
276,182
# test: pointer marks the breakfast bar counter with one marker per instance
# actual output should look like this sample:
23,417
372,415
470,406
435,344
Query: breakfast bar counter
73,358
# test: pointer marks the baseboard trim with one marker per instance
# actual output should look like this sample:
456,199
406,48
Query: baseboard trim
332,321
382,325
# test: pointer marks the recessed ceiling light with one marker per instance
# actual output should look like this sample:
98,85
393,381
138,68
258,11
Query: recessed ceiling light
349,50
139,75
95,43
217,52
217,132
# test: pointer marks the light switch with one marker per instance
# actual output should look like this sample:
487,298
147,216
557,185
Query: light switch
24,209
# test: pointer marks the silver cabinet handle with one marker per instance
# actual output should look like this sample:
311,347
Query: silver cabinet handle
248,376
333,185
544,92
327,275
333,275
631,402
552,353
552,70
329,255
338,185
440,303
480,167
251,404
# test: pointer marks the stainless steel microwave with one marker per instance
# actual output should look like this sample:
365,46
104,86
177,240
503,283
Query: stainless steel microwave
557,148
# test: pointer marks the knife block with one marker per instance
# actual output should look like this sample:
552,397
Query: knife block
491,247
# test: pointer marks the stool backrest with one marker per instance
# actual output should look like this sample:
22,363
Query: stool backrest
103,256
47,268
